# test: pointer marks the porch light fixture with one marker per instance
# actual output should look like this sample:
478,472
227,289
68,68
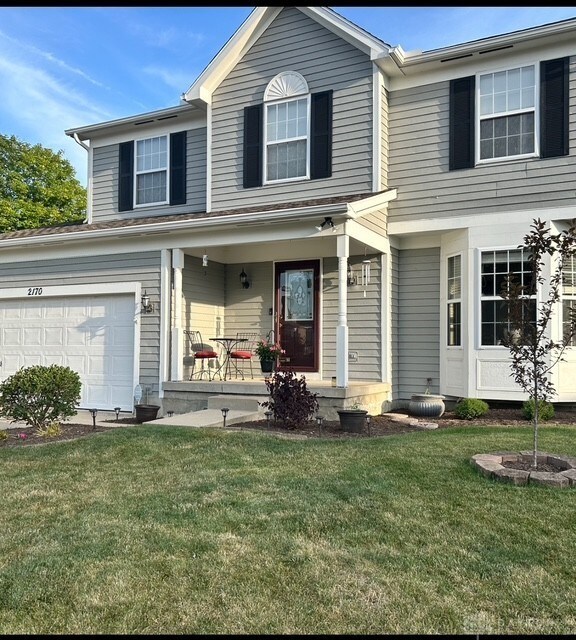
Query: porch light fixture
93,413
327,222
244,279
147,306
351,278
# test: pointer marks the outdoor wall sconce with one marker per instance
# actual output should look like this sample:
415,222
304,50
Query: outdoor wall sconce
147,306
327,222
93,413
351,278
117,410
244,279
224,413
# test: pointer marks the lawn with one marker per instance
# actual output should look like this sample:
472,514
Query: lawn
157,530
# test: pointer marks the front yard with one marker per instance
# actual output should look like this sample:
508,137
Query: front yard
151,529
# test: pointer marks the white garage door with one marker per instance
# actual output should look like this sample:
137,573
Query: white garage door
93,335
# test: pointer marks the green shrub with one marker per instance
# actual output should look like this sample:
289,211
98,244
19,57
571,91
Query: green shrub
291,402
469,408
545,410
3,434
40,395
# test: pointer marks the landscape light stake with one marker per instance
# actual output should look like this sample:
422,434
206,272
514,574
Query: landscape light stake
368,422
117,410
170,414
268,415
93,413
224,412
319,421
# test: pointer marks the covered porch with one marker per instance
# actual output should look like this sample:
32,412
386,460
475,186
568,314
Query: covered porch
316,277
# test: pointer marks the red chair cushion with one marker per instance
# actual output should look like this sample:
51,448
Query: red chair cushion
243,355
206,354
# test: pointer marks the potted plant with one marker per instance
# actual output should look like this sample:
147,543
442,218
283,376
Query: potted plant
428,405
268,353
353,418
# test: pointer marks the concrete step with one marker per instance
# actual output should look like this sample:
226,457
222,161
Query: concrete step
208,418
239,403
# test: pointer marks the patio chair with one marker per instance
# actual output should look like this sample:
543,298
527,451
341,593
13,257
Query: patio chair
200,351
244,351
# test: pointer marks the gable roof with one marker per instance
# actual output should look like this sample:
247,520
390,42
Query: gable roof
253,27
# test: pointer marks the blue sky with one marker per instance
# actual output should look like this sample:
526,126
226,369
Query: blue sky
66,67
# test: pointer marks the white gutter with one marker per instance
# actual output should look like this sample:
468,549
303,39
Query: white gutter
82,144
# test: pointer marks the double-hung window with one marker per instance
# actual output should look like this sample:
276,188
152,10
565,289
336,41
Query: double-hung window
507,114
151,175
454,301
287,127
568,297
496,266
510,114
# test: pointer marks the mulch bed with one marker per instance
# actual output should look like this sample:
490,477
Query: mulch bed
380,426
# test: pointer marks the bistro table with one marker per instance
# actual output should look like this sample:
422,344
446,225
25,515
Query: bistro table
228,343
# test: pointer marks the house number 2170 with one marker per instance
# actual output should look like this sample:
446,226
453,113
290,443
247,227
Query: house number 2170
34,291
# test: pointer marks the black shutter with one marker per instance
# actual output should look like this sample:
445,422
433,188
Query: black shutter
126,176
253,146
178,168
461,123
321,135
554,108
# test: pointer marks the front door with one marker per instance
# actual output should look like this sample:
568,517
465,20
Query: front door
297,309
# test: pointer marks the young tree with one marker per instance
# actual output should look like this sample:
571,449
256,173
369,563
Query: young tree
533,353
38,187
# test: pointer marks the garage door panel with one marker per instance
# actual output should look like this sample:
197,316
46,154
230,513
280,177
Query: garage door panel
10,337
54,337
93,335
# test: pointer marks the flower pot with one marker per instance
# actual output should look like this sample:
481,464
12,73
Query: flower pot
426,405
267,365
146,412
352,419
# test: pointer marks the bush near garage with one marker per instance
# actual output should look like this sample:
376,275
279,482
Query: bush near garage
470,408
40,395
545,410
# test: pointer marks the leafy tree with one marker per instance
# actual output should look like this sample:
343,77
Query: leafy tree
38,187
533,353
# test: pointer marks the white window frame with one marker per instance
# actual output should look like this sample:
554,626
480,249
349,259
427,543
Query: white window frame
285,87
502,114
451,301
482,298
156,170
568,297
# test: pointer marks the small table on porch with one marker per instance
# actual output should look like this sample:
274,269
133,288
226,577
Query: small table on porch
228,343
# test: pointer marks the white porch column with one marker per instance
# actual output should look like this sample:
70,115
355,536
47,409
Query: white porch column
343,243
177,354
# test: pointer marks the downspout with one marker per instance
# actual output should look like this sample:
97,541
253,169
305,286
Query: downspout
88,218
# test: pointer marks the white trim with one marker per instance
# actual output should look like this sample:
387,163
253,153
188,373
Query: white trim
67,291
342,369
208,159
284,85
137,173
165,305
478,118
90,185
376,129
266,144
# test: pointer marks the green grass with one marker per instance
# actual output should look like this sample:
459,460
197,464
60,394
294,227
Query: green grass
152,529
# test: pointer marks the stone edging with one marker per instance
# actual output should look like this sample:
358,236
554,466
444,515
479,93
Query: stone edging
490,466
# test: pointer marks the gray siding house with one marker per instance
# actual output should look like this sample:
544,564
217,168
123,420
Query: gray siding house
370,195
